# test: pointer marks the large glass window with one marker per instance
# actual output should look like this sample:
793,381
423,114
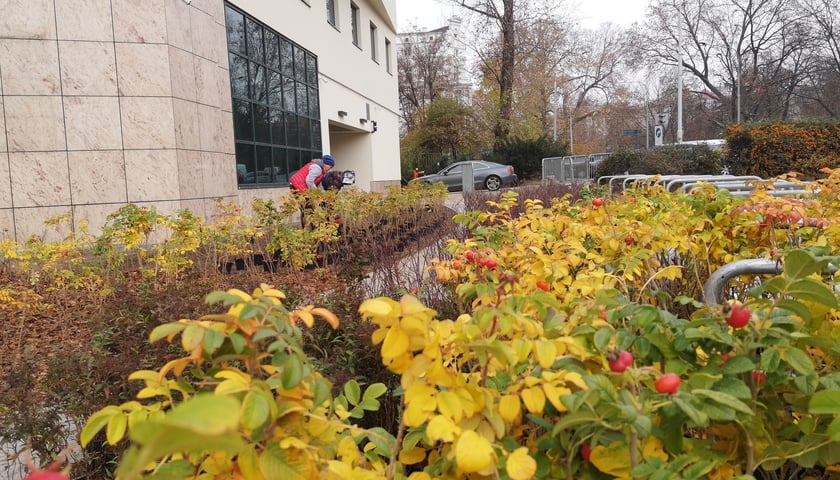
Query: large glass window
276,113
331,12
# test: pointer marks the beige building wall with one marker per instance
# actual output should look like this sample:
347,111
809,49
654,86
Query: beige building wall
105,102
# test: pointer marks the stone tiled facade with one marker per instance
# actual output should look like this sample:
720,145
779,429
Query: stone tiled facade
104,102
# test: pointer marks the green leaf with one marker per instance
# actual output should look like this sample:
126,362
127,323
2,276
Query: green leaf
795,307
255,410
97,422
116,428
799,361
204,414
163,331
213,340
812,290
384,441
277,463
292,372
833,430
723,399
738,364
770,359
602,338
735,387
353,392
698,417
237,340
375,390
825,402
800,264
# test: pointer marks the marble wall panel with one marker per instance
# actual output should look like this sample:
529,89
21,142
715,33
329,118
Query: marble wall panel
214,8
206,33
143,70
93,217
139,21
3,144
219,174
147,122
178,29
84,20
152,175
40,178
93,123
7,224
97,177
29,67
186,124
88,68
27,19
34,123
5,182
182,68
190,174
212,83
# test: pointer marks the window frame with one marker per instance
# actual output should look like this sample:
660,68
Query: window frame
374,41
388,48
355,20
332,12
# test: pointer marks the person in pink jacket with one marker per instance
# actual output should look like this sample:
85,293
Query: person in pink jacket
311,174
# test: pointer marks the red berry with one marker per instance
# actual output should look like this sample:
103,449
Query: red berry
626,357
543,285
586,451
46,475
621,362
456,265
482,262
491,264
739,316
759,376
632,199
597,202
471,255
668,383
413,290
628,240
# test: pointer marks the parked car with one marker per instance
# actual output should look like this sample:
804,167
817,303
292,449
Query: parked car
489,175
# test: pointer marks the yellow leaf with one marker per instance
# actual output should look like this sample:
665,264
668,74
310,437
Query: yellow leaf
553,394
546,352
534,399
420,476
509,407
410,305
375,307
653,448
304,316
450,405
395,344
240,294
520,465
442,428
327,315
613,459
473,452
410,457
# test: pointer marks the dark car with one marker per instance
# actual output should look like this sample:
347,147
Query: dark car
489,175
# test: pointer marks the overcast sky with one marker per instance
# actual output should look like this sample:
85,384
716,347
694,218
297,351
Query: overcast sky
429,14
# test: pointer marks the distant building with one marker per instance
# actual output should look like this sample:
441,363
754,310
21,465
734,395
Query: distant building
175,103
450,39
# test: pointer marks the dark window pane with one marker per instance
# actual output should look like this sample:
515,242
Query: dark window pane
278,127
238,76
262,129
314,109
235,30
243,127
316,135
288,94
245,166
287,61
281,169
272,50
302,104
275,89
300,159
258,91
305,133
264,167
292,135
256,51
311,70
300,64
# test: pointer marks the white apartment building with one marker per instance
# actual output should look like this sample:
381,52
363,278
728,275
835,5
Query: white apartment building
176,103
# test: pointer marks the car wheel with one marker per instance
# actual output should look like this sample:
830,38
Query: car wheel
493,183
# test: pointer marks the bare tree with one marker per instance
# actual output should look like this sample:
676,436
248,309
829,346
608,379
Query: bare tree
425,70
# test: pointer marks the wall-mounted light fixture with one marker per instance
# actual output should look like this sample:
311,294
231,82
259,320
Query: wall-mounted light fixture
375,126
342,113
363,121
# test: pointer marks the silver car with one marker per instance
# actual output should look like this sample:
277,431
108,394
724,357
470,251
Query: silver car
486,175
